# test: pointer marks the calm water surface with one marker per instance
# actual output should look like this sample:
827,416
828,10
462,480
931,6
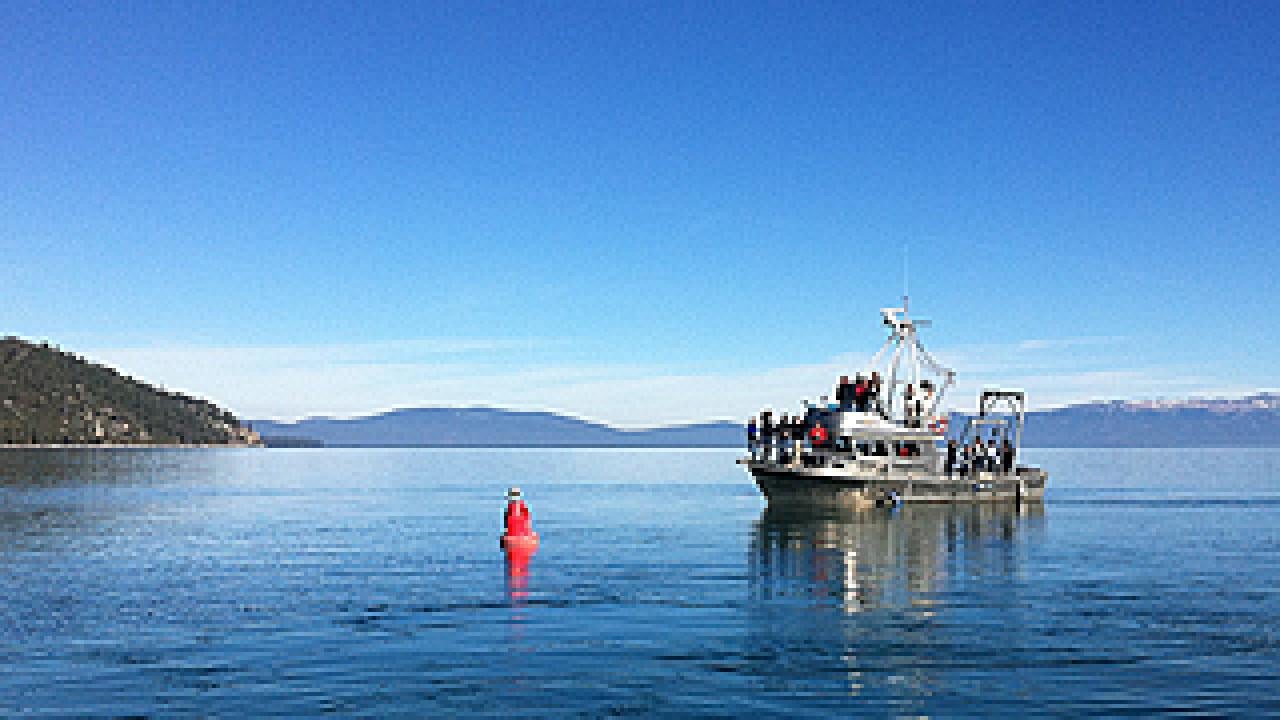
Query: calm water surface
369,583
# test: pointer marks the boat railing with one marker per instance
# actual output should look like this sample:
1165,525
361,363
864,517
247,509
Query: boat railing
870,463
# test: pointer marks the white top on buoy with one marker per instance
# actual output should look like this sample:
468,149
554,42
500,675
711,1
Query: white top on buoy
513,493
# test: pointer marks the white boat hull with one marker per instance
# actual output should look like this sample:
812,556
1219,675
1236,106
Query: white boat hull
851,487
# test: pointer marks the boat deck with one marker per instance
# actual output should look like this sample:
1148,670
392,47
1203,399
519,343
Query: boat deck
869,483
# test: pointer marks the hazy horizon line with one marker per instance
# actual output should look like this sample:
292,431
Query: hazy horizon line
530,410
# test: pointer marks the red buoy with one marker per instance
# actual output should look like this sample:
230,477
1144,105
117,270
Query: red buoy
518,537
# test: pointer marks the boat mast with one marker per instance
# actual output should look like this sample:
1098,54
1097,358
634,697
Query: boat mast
908,361
893,381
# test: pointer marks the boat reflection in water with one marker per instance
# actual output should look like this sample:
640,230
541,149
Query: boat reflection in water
882,602
884,557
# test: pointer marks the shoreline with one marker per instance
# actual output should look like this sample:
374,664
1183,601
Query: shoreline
124,446
547,446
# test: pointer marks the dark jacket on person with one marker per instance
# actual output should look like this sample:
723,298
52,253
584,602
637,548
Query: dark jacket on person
844,396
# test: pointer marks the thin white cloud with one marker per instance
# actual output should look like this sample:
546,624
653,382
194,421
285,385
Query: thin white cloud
1068,342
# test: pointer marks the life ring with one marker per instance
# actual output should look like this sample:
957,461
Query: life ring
939,424
818,434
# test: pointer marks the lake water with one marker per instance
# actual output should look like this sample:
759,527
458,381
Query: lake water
370,583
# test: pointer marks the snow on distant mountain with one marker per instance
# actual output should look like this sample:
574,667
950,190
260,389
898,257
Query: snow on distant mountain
1261,401
1196,422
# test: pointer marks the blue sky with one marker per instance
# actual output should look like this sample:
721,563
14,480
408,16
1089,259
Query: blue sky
640,212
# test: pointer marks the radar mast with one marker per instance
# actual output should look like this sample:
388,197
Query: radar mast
903,362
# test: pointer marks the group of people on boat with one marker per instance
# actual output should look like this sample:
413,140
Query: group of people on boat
863,394
976,456
780,438
813,437
785,440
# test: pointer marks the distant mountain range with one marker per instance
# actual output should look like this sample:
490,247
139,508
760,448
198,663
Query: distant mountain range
489,427
1250,421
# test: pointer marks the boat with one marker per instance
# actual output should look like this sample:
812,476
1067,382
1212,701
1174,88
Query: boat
885,440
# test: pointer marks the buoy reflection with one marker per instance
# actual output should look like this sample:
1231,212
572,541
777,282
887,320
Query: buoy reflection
517,565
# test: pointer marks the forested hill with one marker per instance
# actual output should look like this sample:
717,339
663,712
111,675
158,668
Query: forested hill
51,397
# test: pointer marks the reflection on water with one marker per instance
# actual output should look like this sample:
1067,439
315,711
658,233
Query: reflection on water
517,575
884,558
861,597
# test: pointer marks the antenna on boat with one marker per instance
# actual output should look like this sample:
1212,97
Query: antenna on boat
906,275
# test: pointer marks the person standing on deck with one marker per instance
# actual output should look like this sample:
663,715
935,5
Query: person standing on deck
752,437
1007,453
786,450
873,393
768,434
797,439
979,455
860,394
993,456
952,452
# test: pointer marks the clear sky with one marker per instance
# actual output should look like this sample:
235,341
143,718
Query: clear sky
641,212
